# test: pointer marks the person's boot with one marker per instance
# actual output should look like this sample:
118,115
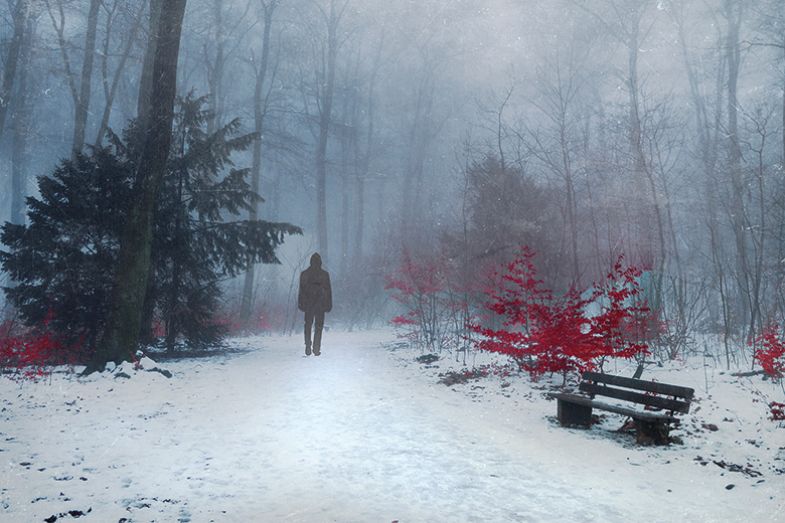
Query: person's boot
316,350
308,350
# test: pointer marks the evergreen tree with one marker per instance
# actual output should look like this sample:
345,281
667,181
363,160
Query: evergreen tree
193,243
63,263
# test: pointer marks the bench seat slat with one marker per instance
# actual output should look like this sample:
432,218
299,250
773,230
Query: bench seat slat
649,386
626,411
635,397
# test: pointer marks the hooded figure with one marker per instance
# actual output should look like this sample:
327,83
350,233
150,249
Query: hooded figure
314,298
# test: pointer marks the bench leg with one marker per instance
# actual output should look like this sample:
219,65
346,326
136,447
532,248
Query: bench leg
570,414
651,432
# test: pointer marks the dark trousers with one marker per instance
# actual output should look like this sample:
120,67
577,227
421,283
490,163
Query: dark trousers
310,317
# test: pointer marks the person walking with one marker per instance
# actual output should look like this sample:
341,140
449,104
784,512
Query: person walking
315,298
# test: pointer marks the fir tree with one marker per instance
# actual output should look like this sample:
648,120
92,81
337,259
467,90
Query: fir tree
63,262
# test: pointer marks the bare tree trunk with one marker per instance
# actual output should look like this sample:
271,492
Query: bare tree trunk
83,101
345,219
419,137
21,130
708,144
143,105
144,100
365,162
122,332
758,241
172,316
733,12
21,14
260,109
110,89
325,118
215,67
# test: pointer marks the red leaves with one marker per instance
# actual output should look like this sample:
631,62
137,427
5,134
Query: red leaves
770,351
27,356
545,333
777,411
404,319
434,304
416,279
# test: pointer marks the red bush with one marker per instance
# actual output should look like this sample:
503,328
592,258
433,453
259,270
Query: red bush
770,351
26,353
545,333
777,411
432,303
29,355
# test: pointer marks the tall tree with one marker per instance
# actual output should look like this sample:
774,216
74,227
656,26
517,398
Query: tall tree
111,85
260,106
81,90
216,64
557,146
122,333
325,92
146,90
20,13
733,11
629,24
363,163
22,122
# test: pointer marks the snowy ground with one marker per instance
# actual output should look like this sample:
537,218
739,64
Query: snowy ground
364,433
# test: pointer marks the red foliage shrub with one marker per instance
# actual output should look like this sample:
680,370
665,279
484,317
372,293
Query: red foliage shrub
29,355
417,279
777,411
770,351
544,333
432,302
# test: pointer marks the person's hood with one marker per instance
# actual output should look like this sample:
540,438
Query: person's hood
316,260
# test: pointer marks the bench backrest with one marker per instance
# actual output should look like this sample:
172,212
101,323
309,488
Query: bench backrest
661,395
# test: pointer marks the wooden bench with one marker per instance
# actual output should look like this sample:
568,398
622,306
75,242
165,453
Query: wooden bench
651,426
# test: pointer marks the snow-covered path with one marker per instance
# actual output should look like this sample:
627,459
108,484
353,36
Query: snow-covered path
271,435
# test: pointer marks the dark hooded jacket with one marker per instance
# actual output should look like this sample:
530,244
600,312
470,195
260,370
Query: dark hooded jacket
315,294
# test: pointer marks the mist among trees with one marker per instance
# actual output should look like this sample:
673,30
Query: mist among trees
446,132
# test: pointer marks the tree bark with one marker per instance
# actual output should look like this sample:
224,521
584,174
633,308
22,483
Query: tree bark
110,90
143,101
122,332
83,100
21,130
20,16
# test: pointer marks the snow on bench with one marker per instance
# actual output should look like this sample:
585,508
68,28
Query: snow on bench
651,425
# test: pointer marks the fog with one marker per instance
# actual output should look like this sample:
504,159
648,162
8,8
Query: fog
454,130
